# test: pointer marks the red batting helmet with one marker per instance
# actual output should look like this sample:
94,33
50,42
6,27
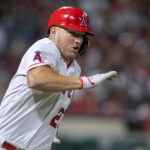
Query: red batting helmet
71,18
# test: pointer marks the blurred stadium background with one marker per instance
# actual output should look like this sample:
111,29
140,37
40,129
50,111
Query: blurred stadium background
116,115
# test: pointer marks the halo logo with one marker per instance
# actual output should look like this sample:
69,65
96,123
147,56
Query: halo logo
37,56
84,21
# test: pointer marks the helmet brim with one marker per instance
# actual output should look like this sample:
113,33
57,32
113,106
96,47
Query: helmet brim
78,28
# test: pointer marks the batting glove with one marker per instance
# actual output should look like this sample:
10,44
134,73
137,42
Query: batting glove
93,81
56,140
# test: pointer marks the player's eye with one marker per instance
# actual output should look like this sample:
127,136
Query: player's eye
75,34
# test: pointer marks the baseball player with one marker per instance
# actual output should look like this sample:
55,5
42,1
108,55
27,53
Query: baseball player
42,88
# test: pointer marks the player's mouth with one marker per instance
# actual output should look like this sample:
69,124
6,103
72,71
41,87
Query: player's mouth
76,48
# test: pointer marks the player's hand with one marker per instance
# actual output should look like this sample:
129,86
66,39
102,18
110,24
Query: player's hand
95,80
56,140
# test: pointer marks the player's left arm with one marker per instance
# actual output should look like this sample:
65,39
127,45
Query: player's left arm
44,78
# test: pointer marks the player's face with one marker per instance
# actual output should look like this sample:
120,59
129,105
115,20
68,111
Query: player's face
69,43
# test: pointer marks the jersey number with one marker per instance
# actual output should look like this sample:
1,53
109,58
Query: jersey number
55,119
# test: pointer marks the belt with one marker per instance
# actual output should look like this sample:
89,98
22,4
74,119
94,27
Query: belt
9,146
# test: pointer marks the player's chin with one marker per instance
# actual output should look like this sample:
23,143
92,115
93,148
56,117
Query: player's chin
73,55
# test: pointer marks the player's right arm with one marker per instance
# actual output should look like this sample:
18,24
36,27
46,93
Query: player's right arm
43,78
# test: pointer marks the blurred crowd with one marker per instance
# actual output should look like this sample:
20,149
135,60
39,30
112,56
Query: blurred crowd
121,43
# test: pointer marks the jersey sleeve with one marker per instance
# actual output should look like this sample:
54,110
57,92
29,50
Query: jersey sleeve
41,55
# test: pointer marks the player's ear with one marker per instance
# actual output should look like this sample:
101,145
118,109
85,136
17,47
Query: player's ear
53,32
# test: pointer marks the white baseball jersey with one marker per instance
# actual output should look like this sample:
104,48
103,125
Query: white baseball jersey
29,118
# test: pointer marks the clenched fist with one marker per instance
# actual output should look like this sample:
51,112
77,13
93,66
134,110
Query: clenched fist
93,81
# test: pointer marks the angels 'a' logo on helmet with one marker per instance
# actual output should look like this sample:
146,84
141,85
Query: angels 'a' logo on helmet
84,21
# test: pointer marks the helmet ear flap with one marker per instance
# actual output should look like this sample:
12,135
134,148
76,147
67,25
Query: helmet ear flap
84,45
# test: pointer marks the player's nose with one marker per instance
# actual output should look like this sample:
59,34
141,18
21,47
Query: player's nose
78,40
